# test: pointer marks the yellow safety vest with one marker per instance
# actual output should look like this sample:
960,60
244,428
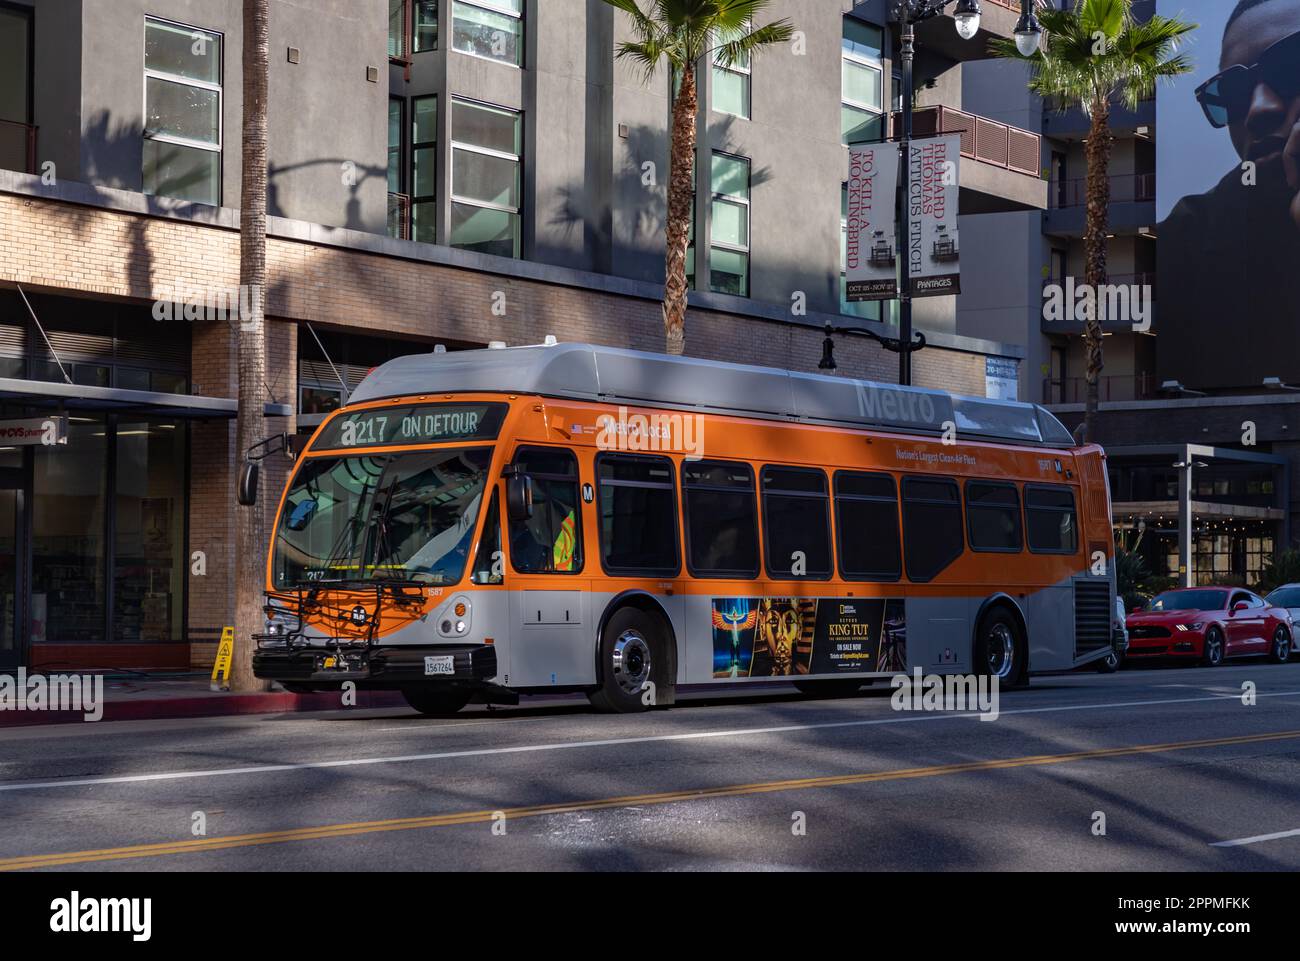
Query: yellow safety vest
565,542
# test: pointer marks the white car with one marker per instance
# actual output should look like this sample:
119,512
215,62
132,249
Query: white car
1287,596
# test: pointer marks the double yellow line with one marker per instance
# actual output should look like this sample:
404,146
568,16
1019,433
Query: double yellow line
356,828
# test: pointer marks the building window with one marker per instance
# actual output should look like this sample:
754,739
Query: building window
17,143
182,128
861,113
399,203
149,515
729,234
493,29
486,178
424,170
425,26
731,87
415,35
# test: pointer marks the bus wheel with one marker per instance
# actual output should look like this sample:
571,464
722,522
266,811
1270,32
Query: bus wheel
1111,663
435,702
827,689
628,648
999,648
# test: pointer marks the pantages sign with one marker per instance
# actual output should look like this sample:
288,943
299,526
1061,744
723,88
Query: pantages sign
930,225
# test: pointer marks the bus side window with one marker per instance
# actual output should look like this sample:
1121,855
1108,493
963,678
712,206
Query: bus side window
637,500
866,517
551,540
488,566
932,525
993,516
721,519
1050,519
796,522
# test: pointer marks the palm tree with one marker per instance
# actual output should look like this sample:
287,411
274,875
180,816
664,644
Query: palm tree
1093,56
681,32
250,551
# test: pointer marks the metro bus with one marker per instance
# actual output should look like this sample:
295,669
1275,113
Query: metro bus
482,524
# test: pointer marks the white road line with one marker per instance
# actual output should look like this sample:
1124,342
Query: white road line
1238,842
604,742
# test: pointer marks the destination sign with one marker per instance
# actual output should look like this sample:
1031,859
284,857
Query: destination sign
412,425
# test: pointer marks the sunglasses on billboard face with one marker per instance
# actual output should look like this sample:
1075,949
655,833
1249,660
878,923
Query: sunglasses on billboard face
1226,97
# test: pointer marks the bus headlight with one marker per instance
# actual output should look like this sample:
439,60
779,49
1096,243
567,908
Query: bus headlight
455,620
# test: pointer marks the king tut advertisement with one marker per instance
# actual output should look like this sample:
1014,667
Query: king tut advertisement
795,636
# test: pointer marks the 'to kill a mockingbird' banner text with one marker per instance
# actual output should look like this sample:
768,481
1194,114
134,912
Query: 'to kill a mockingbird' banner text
870,255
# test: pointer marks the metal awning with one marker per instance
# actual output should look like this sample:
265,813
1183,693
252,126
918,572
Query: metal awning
1168,511
40,393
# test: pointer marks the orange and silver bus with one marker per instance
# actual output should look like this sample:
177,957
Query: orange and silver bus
482,524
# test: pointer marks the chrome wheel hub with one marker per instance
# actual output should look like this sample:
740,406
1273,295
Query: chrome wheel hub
1000,645
631,662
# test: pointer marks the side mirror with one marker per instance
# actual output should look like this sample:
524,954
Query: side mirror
519,497
247,493
1239,606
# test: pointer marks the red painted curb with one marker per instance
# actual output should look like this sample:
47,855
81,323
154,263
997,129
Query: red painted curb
215,705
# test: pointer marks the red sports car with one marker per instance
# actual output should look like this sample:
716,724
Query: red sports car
1209,623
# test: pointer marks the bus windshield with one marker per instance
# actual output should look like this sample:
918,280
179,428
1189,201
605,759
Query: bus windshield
405,517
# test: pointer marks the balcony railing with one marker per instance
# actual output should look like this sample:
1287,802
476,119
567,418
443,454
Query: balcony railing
17,146
399,216
982,139
1116,387
1124,188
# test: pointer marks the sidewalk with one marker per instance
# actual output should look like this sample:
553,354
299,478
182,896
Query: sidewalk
144,697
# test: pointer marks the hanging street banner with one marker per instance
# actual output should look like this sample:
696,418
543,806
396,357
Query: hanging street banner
932,249
871,232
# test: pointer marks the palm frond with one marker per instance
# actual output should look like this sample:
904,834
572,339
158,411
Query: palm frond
739,49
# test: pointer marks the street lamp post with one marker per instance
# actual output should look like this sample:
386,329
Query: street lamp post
967,16
1185,519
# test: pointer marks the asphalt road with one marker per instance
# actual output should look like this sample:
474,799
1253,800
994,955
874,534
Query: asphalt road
1172,758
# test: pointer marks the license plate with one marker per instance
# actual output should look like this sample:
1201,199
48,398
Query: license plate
440,664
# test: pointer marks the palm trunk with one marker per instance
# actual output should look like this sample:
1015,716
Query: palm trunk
250,545
1097,151
681,189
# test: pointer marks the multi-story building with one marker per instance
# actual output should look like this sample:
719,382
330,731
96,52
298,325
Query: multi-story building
454,173
1240,490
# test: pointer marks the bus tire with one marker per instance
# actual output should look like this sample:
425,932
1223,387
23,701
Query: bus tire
436,702
828,689
1111,663
631,649
1000,649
